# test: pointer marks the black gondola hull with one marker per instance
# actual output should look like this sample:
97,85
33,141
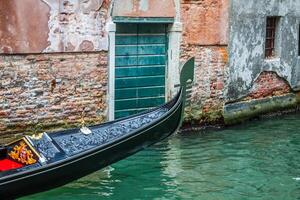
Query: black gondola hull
59,174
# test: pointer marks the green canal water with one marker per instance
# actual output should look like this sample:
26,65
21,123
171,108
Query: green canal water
258,160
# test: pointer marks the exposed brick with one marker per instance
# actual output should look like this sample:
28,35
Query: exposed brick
210,78
268,84
51,90
205,25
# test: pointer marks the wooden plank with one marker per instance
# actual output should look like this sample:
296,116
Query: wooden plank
138,103
152,49
139,92
152,39
126,93
151,92
140,71
121,114
150,102
151,28
134,39
152,60
126,50
129,40
126,104
126,28
123,61
139,82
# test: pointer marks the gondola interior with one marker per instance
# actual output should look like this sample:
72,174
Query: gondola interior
34,151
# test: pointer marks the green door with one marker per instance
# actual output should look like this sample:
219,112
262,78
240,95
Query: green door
141,54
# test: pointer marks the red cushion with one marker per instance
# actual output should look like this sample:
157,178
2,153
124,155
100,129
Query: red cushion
7,164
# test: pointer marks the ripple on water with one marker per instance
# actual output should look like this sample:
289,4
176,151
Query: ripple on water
258,160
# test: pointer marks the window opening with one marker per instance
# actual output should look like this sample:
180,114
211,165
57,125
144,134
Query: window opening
271,36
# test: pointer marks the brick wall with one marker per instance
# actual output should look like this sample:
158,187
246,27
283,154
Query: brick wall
208,90
268,84
46,91
205,25
270,95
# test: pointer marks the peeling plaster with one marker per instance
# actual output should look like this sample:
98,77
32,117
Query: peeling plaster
17,33
144,5
144,8
247,44
205,22
74,21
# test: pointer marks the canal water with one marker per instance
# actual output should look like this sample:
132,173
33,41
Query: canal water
258,160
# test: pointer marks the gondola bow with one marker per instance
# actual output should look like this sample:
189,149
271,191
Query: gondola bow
39,163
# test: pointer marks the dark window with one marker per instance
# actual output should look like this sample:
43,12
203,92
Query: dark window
271,36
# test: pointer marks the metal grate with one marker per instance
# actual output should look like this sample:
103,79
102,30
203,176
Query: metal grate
270,36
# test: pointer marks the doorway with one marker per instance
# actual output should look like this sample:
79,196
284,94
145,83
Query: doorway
140,67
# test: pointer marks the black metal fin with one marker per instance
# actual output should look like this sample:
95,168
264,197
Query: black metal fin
186,82
187,72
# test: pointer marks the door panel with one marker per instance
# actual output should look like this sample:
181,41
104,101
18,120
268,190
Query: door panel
140,92
138,82
135,71
141,51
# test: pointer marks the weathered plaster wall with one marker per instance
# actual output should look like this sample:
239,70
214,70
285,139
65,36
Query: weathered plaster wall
46,91
204,36
205,22
269,93
23,26
77,25
144,8
247,42
34,26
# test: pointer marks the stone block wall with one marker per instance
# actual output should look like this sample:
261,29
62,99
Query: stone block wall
47,91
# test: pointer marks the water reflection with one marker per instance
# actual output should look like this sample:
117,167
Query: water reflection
259,160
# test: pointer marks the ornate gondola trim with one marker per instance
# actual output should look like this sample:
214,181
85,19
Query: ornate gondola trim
22,153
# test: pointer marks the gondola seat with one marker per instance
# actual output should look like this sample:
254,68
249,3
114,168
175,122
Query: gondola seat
17,154
8,164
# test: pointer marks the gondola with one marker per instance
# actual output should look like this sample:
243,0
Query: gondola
41,162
